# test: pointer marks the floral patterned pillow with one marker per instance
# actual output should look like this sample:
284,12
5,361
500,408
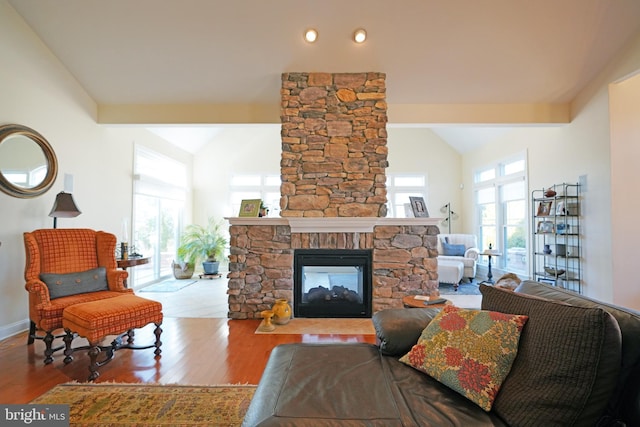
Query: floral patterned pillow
469,351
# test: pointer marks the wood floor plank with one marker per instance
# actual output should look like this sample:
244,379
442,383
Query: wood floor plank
203,347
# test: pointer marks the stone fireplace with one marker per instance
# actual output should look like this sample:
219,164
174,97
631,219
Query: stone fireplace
333,197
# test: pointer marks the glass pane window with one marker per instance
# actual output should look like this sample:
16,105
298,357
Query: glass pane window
515,235
263,187
399,189
514,167
501,213
154,166
272,180
485,175
158,206
487,219
17,178
155,234
408,181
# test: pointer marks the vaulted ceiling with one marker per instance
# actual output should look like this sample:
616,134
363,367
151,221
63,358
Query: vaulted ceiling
193,54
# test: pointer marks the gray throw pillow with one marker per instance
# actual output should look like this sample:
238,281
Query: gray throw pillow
63,285
452,250
567,365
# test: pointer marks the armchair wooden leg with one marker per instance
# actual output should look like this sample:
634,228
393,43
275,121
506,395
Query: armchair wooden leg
158,332
48,351
94,351
32,333
68,351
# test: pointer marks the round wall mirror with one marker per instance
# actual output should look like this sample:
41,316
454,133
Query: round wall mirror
28,165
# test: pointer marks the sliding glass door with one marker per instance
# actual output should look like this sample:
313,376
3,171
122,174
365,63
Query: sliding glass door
158,206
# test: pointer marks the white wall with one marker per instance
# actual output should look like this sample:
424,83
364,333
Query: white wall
625,176
234,151
38,92
415,150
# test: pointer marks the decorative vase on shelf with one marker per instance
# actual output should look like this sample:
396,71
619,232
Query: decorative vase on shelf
281,312
550,192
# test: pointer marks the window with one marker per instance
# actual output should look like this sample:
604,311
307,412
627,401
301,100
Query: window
159,195
399,189
267,188
263,187
29,178
501,212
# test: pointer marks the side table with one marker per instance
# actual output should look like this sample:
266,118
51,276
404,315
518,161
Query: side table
131,262
411,302
490,253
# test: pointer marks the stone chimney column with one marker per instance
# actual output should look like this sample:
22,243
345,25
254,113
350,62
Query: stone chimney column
334,145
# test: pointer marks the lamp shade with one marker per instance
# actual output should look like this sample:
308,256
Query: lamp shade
64,206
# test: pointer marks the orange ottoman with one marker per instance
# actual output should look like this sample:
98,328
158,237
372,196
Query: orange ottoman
96,320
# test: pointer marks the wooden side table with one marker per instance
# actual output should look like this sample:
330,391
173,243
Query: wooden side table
131,262
411,302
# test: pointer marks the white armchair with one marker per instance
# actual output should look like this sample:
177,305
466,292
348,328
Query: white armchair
462,248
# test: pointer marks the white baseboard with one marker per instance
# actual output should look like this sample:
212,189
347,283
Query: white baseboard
12,329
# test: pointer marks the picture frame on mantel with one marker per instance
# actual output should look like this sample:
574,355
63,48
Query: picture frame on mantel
250,208
419,207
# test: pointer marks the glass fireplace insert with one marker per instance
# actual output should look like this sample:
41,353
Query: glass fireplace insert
332,282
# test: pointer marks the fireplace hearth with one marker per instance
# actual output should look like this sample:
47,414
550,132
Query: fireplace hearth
332,283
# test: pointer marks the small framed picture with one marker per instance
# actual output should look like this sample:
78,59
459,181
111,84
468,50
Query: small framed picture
562,228
419,207
250,208
408,210
560,209
544,209
545,227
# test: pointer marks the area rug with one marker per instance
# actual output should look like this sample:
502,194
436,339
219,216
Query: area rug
322,326
169,285
463,289
151,404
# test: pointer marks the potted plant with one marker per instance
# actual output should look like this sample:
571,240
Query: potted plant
203,243
182,269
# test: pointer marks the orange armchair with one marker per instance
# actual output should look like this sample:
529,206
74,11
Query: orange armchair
65,251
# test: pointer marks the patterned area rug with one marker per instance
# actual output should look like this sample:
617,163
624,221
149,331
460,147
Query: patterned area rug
151,404
169,285
463,289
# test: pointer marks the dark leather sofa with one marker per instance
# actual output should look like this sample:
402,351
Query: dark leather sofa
578,363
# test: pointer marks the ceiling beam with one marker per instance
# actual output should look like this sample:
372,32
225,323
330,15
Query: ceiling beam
428,114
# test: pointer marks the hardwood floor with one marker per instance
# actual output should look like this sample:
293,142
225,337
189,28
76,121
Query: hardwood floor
203,350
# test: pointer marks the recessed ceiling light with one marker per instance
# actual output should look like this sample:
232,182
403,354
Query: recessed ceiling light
359,35
310,35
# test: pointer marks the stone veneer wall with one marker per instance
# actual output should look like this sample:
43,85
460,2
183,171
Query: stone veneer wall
261,263
334,145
